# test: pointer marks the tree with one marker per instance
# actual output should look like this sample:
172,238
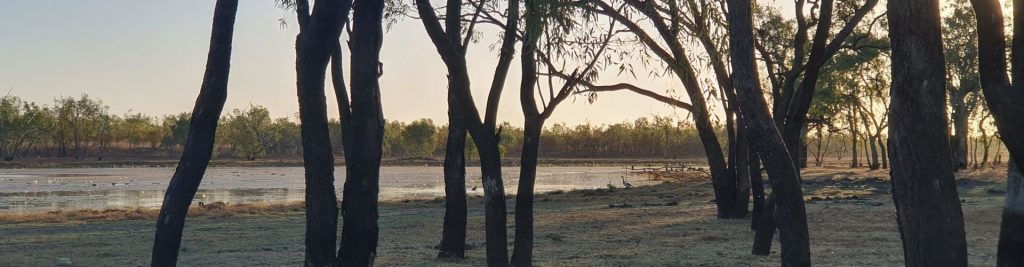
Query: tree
463,114
924,189
199,145
773,151
363,121
1003,99
543,20
250,132
792,100
418,138
962,86
175,129
318,34
670,49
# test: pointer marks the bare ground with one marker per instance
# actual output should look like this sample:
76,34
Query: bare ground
850,212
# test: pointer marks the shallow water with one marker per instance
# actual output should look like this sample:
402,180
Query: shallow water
34,190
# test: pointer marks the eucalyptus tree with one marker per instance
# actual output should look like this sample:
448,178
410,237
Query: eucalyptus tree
924,190
794,83
780,166
666,42
963,86
464,116
199,144
560,29
1004,100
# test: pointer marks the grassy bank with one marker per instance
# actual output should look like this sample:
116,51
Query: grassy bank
850,213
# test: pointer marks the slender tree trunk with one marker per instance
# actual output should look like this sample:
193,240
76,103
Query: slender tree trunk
1011,230
853,138
785,176
522,254
757,188
924,191
314,46
874,153
741,169
199,145
359,232
885,156
453,235
961,129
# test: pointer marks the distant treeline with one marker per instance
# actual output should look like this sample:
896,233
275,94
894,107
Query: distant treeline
84,128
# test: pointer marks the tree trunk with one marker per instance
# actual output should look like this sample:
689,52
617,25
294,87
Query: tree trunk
961,129
359,232
924,191
314,46
885,156
785,176
1011,230
873,164
495,211
199,145
453,235
522,255
757,188
853,139
741,169
764,228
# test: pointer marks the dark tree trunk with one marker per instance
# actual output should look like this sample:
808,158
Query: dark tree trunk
885,156
1011,230
199,145
741,169
961,129
757,188
853,138
495,211
873,164
314,46
924,191
453,235
764,228
359,232
1004,100
522,254
785,177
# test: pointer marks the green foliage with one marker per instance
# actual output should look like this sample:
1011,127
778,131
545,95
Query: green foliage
175,130
418,138
248,132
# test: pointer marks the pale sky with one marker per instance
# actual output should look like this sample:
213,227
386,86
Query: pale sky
149,56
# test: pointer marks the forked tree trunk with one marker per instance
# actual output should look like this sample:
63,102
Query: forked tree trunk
1004,100
785,176
924,191
314,46
199,145
359,232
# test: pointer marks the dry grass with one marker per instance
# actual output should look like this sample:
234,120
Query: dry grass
211,210
574,228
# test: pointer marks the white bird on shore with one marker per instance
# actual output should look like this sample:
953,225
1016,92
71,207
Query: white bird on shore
625,184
